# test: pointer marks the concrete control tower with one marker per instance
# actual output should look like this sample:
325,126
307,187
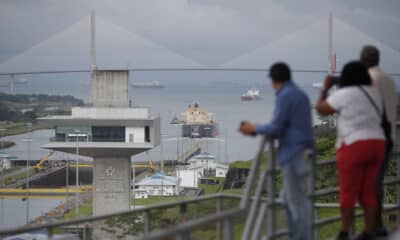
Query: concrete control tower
110,132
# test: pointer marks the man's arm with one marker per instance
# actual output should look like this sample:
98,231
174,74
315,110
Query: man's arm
279,121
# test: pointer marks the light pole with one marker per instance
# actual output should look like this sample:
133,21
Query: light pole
76,172
66,179
1,136
28,140
162,163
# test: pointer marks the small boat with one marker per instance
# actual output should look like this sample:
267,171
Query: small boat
317,85
152,84
251,94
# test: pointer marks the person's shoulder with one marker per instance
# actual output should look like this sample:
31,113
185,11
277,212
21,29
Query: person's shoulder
346,90
372,89
377,74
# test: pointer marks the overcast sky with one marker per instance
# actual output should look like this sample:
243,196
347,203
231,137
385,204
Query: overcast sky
158,33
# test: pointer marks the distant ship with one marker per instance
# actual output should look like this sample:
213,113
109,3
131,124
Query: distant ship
251,94
197,123
152,84
317,85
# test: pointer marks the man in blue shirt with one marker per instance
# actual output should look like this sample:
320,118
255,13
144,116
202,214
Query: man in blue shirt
292,126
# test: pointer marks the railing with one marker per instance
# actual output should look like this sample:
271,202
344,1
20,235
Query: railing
86,139
220,213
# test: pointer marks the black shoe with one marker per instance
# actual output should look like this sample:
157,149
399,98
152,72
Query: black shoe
364,236
381,232
343,236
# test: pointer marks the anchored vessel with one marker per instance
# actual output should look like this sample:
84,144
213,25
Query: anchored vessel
198,123
251,94
152,84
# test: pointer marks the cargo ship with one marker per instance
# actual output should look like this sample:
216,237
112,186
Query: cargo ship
198,123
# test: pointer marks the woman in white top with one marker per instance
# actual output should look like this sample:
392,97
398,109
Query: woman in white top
360,142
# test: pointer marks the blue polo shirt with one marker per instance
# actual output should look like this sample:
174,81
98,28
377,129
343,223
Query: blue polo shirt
291,122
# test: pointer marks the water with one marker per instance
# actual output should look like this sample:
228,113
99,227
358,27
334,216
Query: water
20,149
13,209
218,92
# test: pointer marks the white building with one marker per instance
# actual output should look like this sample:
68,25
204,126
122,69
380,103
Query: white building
209,165
157,185
141,194
202,165
5,163
221,170
189,177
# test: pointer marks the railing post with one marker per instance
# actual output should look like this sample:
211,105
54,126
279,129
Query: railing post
146,222
227,229
182,211
252,175
271,214
219,226
183,236
49,233
311,189
398,185
84,233
353,224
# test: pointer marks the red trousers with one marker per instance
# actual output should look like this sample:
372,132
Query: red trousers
358,165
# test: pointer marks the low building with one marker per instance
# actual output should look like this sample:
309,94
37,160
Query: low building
189,176
209,165
221,170
157,185
141,194
5,163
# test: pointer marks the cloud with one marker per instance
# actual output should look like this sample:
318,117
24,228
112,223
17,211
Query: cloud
210,32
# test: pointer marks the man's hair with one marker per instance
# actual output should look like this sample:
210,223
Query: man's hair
369,56
280,72
354,74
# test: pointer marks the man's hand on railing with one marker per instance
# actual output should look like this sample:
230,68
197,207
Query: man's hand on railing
247,128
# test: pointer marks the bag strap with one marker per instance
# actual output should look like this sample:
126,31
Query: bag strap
372,101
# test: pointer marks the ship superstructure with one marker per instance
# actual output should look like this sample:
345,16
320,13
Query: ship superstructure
251,94
198,123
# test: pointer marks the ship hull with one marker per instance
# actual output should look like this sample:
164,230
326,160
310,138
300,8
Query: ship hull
199,130
250,98
147,86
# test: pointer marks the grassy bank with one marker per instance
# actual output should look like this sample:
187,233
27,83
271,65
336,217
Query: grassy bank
16,177
85,210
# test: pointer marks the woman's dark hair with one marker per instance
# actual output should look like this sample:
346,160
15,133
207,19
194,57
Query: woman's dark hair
354,74
280,72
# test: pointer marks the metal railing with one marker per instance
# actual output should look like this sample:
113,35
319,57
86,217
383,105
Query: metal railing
255,216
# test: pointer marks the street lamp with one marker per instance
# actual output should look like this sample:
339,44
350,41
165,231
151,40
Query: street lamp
162,163
1,136
76,172
2,199
28,141
77,134
66,179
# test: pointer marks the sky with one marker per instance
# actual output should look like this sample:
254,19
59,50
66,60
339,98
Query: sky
52,34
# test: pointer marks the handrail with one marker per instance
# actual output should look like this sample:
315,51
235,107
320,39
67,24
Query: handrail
251,178
224,218
189,225
106,216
